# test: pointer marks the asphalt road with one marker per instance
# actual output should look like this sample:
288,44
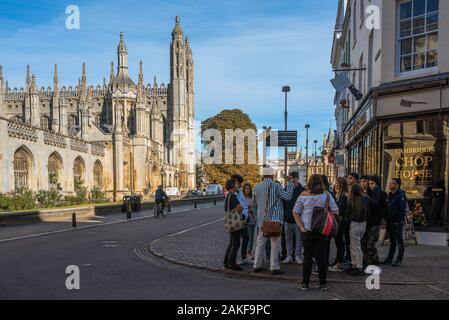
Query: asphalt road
112,266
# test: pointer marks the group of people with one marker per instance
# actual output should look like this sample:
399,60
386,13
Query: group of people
358,205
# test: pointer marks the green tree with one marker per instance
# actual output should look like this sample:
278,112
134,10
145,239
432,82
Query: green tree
231,119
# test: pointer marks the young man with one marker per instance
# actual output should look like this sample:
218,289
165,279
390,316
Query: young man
244,232
397,205
378,208
364,183
352,179
292,232
267,199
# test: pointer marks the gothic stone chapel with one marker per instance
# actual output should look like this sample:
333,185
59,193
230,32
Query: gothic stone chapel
120,136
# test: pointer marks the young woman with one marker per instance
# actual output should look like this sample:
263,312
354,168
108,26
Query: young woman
342,238
251,222
358,211
234,237
314,244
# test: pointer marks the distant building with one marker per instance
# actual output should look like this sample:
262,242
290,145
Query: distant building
399,128
121,136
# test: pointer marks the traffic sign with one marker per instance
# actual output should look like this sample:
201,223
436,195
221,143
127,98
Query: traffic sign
287,138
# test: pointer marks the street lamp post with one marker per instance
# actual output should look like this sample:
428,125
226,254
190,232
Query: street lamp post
316,170
307,126
176,178
286,90
162,177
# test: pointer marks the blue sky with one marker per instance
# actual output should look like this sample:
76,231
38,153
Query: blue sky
244,51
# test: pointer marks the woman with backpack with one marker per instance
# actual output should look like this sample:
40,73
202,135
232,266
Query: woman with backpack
313,199
358,211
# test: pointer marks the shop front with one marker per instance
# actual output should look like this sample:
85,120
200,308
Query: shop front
415,150
404,133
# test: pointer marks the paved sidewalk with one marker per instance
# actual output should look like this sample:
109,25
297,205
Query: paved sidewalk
35,228
424,275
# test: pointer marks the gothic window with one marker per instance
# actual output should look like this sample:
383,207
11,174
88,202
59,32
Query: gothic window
98,174
97,118
72,121
54,170
78,171
22,166
45,122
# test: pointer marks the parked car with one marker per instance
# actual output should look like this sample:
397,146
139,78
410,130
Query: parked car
214,189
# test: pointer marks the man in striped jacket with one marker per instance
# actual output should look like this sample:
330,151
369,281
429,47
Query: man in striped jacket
271,193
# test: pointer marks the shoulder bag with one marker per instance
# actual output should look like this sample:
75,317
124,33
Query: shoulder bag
324,221
232,219
270,229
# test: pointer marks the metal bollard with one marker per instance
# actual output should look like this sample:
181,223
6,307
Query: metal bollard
73,220
169,207
195,204
215,201
128,210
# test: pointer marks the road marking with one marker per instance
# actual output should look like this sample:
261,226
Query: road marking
141,255
187,230
48,233
438,289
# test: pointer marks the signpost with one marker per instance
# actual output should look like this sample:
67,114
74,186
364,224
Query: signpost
286,138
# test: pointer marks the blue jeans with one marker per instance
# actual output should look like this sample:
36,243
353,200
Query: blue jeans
293,240
251,229
396,234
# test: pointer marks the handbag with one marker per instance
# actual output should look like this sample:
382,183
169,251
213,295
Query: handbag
270,229
324,221
232,219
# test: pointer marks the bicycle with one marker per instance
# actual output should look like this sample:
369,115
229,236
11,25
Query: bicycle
159,211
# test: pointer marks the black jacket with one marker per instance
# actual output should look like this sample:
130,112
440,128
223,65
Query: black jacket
397,204
290,204
342,204
363,213
376,212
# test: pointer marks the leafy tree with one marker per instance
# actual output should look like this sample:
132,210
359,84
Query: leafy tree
231,119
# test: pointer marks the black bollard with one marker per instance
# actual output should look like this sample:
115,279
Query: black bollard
169,207
74,220
195,204
128,210
215,201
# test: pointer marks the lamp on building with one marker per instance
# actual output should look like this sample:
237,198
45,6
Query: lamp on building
176,178
163,173
344,104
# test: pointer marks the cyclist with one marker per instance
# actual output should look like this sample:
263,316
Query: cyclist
160,198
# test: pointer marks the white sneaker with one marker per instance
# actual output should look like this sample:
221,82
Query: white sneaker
288,260
298,260
336,268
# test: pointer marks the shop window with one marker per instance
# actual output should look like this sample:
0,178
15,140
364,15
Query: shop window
416,153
